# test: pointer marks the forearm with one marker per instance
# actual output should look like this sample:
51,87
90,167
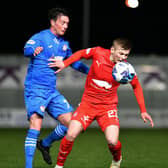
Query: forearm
139,95
80,66
74,57
28,52
74,60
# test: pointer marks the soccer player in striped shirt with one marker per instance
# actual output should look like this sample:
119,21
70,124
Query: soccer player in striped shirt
100,100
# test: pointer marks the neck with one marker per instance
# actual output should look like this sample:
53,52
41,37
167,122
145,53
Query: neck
54,32
111,58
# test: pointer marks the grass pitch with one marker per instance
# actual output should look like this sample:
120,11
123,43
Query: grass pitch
141,148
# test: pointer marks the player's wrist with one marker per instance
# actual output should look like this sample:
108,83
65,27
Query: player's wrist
65,64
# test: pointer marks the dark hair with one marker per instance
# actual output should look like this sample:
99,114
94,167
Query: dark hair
123,42
55,12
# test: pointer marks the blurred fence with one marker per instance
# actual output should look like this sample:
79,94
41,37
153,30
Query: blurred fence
151,70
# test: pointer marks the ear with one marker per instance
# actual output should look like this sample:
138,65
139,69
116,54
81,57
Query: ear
112,49
52,22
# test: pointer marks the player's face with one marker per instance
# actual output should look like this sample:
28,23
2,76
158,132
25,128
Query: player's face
118,53
59,26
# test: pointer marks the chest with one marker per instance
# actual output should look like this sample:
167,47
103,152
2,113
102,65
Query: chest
54,47
102,68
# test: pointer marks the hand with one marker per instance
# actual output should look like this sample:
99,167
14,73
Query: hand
37,51
56,62
145,116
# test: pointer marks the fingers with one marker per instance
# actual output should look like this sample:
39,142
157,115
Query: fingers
56,63
58,70
152,124
150,120
52,64
55,60
51,59
37,50
145,121
145,117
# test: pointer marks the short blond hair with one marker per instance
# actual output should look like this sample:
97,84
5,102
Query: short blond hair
123,42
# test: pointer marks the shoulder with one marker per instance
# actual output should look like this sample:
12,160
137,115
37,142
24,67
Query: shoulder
101,50
44,32
94,50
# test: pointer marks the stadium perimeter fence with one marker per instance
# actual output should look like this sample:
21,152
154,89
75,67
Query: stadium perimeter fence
152,71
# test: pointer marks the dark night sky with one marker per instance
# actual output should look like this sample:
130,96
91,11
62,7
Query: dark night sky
146,25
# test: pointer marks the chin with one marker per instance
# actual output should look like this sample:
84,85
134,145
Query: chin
62,33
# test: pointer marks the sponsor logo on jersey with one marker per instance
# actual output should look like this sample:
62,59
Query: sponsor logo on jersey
102,83
31,42
50,46
58,57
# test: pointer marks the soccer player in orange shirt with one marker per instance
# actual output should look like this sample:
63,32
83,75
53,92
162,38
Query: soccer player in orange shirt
100,100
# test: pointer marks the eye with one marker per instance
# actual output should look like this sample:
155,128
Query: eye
121,53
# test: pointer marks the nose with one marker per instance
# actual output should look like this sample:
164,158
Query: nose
66,26
123,58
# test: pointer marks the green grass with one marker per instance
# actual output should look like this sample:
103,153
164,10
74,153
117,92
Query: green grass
141,148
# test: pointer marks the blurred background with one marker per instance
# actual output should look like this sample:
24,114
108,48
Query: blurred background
92,23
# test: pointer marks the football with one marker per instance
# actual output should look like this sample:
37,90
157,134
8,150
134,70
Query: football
123,72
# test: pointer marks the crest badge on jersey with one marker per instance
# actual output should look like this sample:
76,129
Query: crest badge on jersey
64,48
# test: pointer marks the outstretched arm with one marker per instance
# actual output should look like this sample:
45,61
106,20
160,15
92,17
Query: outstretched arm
80,66
140,99
85,53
